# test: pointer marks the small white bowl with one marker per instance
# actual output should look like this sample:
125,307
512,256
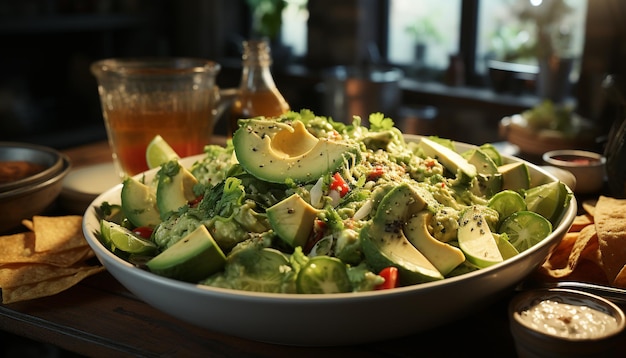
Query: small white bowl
533,341
588,168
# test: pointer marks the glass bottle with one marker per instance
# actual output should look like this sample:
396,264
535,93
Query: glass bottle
258,94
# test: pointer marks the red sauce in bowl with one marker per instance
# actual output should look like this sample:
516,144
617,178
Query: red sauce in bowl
576,159
11,171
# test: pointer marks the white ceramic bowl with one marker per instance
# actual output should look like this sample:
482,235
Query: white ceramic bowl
334,319
587,167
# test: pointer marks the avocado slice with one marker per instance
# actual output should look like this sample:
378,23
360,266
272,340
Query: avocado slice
194,257
139,203
515,176
385,244
450,159
476,239
175,188
292,220
443,256
276,151
489,180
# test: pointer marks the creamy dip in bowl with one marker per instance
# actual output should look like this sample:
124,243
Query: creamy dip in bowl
564,323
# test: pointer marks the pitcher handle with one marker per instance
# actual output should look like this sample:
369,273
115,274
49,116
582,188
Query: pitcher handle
223,99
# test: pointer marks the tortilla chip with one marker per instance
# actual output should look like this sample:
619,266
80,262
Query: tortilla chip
64,258
620,279
587,271
560,255
610,223
47,287
580,222
22,274
585,238
46,260
590,206
28,224
19,249
16,245
58,233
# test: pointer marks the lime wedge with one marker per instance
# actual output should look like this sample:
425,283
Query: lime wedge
159,152
525,229
120,238
506,203
507,250
105,232
548,200
476,239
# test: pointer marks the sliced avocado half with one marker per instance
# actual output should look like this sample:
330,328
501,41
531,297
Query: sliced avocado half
175,188
276,151
385,244
443,256
139,203
488,179
194,257
515,176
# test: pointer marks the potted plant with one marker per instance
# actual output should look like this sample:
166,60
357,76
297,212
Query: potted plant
511,59
423,32
552,46
267,17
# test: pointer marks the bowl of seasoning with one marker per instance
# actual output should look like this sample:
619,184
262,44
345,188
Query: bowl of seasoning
564,323
31,178
587,167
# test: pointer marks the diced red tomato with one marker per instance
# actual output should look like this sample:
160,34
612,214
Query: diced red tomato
390,274
143,231
376,173
193,203
339,184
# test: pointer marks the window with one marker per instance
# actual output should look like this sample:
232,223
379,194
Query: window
423,33
507,30
294,29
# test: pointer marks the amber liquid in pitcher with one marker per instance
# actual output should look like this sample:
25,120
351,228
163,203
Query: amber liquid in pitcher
130,134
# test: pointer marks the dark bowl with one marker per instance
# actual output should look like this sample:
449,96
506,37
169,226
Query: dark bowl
32,195
44,163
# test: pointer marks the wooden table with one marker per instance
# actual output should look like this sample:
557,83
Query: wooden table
100,318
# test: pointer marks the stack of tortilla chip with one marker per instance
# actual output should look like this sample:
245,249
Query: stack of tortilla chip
50,258
594,249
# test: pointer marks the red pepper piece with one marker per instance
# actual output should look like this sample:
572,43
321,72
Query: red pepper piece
339,184
390,274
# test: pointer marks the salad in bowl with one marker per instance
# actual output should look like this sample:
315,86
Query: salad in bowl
303,206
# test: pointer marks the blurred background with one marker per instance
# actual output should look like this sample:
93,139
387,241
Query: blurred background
451,68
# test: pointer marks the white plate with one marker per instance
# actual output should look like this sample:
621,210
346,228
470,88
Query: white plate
83,184
327,320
